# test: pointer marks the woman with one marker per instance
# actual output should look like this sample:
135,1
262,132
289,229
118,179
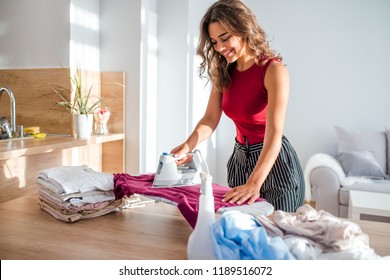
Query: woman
251,86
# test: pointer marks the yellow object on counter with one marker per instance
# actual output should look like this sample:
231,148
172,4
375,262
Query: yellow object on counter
40,135
31,130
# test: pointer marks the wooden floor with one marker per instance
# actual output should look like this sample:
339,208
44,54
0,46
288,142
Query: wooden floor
155,232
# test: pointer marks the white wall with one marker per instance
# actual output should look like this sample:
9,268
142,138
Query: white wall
44,34
34,34
172,99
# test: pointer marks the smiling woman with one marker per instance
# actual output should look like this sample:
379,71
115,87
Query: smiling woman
251,86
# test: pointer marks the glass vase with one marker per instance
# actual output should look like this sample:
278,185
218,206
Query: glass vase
101,117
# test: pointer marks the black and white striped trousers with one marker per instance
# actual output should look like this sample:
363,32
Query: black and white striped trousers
284,186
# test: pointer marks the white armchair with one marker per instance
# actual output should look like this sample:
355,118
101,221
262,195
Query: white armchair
360,164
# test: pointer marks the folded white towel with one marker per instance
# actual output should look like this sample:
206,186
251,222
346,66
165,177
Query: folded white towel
76,199
73,179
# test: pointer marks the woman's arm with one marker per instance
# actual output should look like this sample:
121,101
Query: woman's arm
205,127
277,84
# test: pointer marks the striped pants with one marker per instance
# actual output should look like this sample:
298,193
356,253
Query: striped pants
284,186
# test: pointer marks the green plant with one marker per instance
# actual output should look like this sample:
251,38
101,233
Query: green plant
80,100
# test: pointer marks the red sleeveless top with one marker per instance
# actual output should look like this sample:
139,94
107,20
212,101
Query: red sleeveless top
245,102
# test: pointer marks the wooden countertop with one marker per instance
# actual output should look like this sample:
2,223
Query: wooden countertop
13,148
155,232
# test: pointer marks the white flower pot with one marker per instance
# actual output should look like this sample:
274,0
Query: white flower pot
82,125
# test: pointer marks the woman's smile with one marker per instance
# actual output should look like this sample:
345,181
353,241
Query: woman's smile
227,52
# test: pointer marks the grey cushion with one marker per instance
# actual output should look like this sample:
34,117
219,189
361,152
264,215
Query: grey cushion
360,163
372,141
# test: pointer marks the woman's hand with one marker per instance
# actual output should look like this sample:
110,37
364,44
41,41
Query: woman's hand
247,192
180,153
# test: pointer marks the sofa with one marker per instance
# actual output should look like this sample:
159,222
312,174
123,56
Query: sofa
362,162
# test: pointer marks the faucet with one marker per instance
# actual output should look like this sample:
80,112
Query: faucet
13,109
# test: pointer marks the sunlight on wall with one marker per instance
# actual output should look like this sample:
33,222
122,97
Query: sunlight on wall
148,76
151,98
84,56
84,49
199,99
83,18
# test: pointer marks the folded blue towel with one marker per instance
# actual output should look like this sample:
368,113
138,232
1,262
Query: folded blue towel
239,236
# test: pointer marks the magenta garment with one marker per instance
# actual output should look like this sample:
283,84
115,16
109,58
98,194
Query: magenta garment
187,198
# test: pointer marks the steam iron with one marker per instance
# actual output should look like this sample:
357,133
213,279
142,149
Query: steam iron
169,174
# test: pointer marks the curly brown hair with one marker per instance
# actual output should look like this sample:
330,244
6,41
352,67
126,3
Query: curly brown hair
240,21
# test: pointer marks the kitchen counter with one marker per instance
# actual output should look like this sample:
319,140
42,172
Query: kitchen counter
13,148
22,159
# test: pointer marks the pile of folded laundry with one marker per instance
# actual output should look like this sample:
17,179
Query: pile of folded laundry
71,193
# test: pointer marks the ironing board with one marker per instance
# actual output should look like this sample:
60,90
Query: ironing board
263,208
186,199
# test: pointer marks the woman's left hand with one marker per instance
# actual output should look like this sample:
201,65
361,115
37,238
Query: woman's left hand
240,194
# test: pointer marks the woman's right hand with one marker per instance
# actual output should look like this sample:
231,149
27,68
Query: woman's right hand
180,153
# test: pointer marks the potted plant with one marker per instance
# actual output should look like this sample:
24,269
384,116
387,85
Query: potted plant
80,103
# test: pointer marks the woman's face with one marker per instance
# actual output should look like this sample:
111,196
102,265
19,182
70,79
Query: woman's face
228,45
